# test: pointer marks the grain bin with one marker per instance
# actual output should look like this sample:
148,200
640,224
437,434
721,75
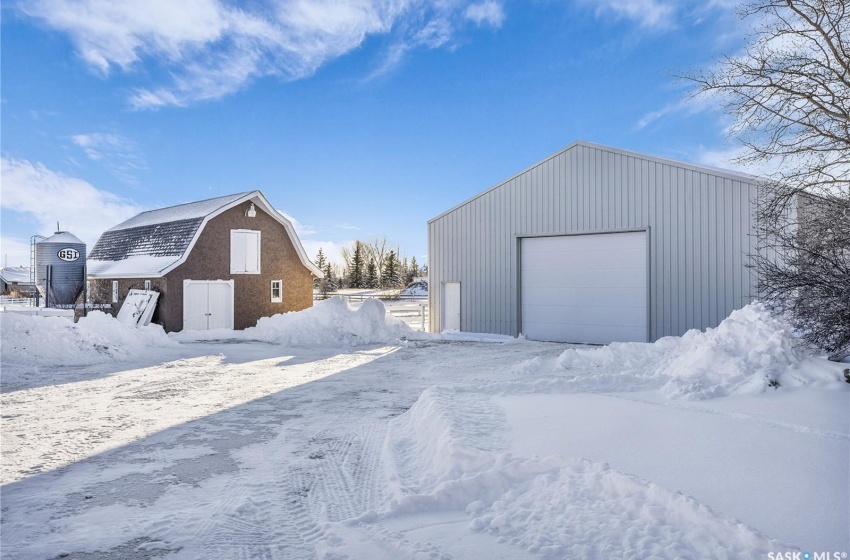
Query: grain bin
60,262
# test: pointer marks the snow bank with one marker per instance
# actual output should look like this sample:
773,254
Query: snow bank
56,341
446,434
332,322
446,455
748,352
580,509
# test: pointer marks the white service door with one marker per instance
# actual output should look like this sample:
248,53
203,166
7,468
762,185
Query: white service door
451,306
195,297
207,305
220,304
585,288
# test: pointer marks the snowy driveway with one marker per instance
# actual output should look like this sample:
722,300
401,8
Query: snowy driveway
234,450
253,450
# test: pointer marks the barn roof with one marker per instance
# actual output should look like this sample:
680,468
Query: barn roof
153,243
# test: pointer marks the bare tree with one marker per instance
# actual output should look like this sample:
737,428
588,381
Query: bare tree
788,94
377,250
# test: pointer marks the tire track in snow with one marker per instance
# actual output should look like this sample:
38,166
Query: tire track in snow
348,474
329,479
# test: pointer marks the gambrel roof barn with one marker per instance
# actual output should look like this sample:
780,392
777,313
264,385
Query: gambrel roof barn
218,263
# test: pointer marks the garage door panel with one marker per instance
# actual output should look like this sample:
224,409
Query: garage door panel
564,261
589,333
585,278
593,242
577,315
585,288
590,296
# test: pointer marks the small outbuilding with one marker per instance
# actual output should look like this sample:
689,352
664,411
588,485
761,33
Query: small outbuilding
218,263
595,245
16,281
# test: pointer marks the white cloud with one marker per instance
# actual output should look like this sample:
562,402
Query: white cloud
653,116
118,153
651,14
47,197
727,158
687,106
301,230
489,13
331,249
213,48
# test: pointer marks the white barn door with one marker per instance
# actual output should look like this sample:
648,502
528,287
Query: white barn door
207,304
220,305
585,288
451,306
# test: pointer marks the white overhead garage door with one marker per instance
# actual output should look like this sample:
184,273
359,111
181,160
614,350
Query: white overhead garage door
585,288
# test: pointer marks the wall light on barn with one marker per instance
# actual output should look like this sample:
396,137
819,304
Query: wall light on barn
251,212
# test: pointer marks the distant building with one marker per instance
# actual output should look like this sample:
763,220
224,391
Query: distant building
595,245
218,263
16,281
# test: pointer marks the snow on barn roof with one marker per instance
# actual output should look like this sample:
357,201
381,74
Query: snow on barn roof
181,212
153,243
15,275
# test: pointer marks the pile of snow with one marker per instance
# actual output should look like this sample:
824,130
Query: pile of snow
45,341
748,352
446,455
416,289
332,322
561,508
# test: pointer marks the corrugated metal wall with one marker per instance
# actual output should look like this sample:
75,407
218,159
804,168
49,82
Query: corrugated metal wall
700,233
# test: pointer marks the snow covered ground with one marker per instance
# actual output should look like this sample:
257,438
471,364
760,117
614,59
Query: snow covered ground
366,440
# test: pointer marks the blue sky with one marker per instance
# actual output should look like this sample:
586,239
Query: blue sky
359,118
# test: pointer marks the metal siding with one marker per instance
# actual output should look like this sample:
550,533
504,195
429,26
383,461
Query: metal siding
700,227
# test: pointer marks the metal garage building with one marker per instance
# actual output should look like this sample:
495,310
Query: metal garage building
595,244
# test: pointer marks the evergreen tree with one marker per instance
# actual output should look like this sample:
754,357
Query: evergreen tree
371,274
321,261
391,276
355,269
328,283
403,273
412,271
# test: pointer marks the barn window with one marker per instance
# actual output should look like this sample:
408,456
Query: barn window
115,291
147,284
244,251
277,291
